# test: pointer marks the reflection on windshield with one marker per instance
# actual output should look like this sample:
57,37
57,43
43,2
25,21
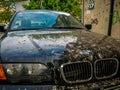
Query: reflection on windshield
38,20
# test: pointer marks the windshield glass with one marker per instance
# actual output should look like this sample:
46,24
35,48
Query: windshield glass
41,20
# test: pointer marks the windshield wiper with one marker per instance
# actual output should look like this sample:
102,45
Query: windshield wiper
36,28
29,28
68,28
47,28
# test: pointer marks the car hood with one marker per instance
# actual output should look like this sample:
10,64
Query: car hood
35,46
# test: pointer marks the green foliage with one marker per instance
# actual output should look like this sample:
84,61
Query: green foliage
5,16
7,13
7,3
32,5
71,6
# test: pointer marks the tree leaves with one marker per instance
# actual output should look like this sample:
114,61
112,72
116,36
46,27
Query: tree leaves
6,12
71,6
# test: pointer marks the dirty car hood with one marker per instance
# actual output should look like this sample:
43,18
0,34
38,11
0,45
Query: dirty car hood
35,46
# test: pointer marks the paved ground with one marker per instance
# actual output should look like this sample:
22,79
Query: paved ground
19,5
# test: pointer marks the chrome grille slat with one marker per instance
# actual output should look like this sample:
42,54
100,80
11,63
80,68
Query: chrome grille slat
105,68
82,71
76,72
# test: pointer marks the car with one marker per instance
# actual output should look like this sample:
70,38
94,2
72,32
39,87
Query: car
51,50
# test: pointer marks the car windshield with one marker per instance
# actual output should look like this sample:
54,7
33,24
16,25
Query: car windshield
43,20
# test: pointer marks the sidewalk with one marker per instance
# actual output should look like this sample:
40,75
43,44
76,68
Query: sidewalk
19,5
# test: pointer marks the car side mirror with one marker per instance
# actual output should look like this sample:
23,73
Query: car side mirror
2,29
88,26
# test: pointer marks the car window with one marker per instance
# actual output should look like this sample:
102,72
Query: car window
38,20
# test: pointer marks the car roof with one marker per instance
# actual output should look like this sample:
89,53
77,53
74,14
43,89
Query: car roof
47,11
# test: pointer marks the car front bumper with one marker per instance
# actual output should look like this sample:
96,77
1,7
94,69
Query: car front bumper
55,87
112,84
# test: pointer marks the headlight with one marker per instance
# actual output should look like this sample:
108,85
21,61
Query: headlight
24,69
26,72
12,69
35,69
